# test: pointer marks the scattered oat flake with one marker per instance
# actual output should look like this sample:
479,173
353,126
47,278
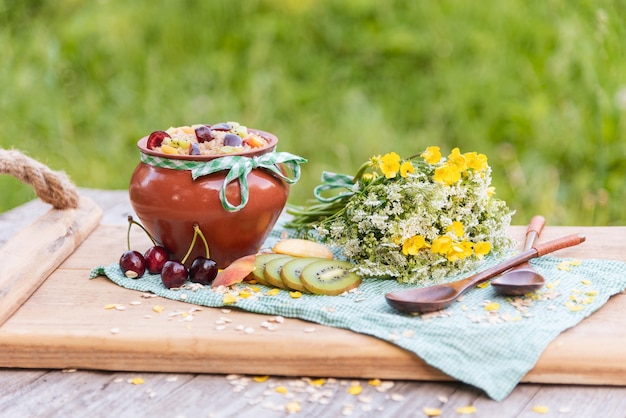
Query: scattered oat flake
309,329
586,282
431,412
540,409
293,407
158,308
397,397
552,285
244,294
260,379
295,294
355,389
110,306
574,307
466,410
68,370
564,265
136,381
115,330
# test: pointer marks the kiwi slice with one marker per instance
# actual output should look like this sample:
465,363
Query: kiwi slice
259,266
290,273
329,277
271,273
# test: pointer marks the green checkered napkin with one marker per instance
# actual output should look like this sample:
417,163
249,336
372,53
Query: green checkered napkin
485,340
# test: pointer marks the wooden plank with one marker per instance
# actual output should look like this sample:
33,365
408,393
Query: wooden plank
58,393
37,250
64,324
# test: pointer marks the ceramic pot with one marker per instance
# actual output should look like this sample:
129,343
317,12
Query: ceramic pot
169,201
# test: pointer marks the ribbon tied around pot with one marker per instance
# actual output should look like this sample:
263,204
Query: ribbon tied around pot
239,167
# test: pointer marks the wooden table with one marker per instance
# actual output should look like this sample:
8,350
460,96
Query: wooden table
67,393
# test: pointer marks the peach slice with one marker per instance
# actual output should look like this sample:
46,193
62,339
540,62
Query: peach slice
302,248
236,272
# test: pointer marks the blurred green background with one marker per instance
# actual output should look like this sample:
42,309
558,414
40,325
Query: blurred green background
537,86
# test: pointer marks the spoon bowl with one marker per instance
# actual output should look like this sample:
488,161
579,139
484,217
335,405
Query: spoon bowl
517,282
434,298
522,279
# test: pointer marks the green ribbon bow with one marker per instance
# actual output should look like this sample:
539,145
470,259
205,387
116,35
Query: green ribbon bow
331,181
238,169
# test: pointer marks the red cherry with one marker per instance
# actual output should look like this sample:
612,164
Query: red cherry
203,270
133,264
156,257
174,274
156,139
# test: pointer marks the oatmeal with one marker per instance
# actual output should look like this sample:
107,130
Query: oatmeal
218,139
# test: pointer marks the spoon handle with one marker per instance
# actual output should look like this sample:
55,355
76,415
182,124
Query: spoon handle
558,244
534,230
534,252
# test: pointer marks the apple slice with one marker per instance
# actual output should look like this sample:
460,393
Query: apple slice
236,272
302,248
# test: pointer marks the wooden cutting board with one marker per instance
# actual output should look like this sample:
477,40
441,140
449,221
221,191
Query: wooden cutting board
74,322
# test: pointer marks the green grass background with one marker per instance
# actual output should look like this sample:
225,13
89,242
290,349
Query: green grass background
537,86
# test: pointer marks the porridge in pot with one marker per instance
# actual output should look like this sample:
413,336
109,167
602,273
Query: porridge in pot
218,139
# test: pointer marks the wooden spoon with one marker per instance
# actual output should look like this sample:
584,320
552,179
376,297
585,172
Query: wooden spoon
522,279
434,298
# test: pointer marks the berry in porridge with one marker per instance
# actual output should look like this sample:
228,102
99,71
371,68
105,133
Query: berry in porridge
217,139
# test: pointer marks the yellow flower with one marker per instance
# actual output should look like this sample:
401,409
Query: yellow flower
411,246
457,159
406,168
467,247
432,155
492,306
442,244
389,164
482,248
475,161
456,228
448,174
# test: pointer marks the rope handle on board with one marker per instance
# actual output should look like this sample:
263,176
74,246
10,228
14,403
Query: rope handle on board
53,187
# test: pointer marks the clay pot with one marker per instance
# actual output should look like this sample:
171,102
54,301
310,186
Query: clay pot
168,202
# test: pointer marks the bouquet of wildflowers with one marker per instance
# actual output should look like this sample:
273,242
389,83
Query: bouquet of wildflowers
418,220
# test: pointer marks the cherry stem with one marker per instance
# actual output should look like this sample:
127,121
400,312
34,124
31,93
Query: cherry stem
196,227
132,221
193,243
